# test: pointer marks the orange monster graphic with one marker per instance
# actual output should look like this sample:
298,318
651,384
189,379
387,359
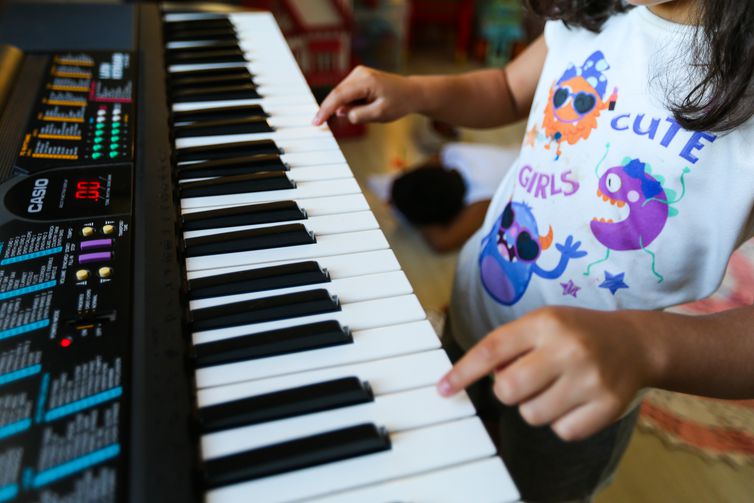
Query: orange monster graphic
576,101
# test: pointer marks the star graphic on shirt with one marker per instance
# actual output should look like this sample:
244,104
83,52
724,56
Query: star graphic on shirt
614,282
531,137
570,288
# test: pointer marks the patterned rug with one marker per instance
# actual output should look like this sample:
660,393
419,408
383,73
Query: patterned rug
716,429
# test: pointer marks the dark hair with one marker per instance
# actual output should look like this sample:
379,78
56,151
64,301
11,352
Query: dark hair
723,57
429,195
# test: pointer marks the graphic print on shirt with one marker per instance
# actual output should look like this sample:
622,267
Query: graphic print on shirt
576,101
510,251
644,205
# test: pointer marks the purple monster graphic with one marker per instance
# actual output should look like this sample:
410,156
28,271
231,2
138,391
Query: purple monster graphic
647,203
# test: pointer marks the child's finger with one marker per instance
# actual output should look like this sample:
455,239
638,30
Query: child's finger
345,93
552,403
343,111
366,113
525,378
497,349
583,421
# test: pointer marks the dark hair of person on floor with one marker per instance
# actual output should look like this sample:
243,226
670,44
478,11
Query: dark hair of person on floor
429,195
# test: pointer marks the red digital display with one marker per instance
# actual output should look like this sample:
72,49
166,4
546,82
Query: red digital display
88,190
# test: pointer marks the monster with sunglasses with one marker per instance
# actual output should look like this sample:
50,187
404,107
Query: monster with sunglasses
510,252
576,101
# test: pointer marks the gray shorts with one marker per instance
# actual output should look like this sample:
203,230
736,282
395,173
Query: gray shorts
544,467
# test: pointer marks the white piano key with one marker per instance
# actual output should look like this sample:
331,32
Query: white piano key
258,62
280,135
412,452
314,207
339,266
193,67
303,190
304,174
306,102
280,121
332,244
270,67
358,315
483,481
302,159
305,159
176,17
368,345
278,116
301,145
390,375
285,118
396,412
328,224
348,290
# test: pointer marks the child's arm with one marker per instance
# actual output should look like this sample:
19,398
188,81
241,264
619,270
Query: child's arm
446,238
484,98
578,370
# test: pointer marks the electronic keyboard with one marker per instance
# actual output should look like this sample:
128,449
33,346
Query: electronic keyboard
196,302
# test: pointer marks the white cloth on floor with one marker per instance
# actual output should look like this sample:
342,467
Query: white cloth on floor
482,168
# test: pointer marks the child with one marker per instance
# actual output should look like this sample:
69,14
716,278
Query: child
447,197
634,184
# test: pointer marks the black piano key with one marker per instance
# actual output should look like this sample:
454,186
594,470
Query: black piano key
201,35
252,239
328,395
246,91
240,77
272,343
231,167
242,125
251,214
207,72
226,150
237,184
218,113
191,57
277,307
314,450
197,24
258,280
216,45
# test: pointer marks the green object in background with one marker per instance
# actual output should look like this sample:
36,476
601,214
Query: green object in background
500,25
379,38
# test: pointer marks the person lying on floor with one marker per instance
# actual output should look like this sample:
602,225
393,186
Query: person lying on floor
446,197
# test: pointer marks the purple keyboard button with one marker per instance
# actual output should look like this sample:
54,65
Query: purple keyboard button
88,258
96,243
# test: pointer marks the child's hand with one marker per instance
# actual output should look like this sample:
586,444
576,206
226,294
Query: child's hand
575,369
368,95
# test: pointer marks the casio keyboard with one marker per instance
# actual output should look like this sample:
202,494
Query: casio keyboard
196,302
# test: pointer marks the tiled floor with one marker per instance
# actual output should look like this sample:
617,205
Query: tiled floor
650,472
